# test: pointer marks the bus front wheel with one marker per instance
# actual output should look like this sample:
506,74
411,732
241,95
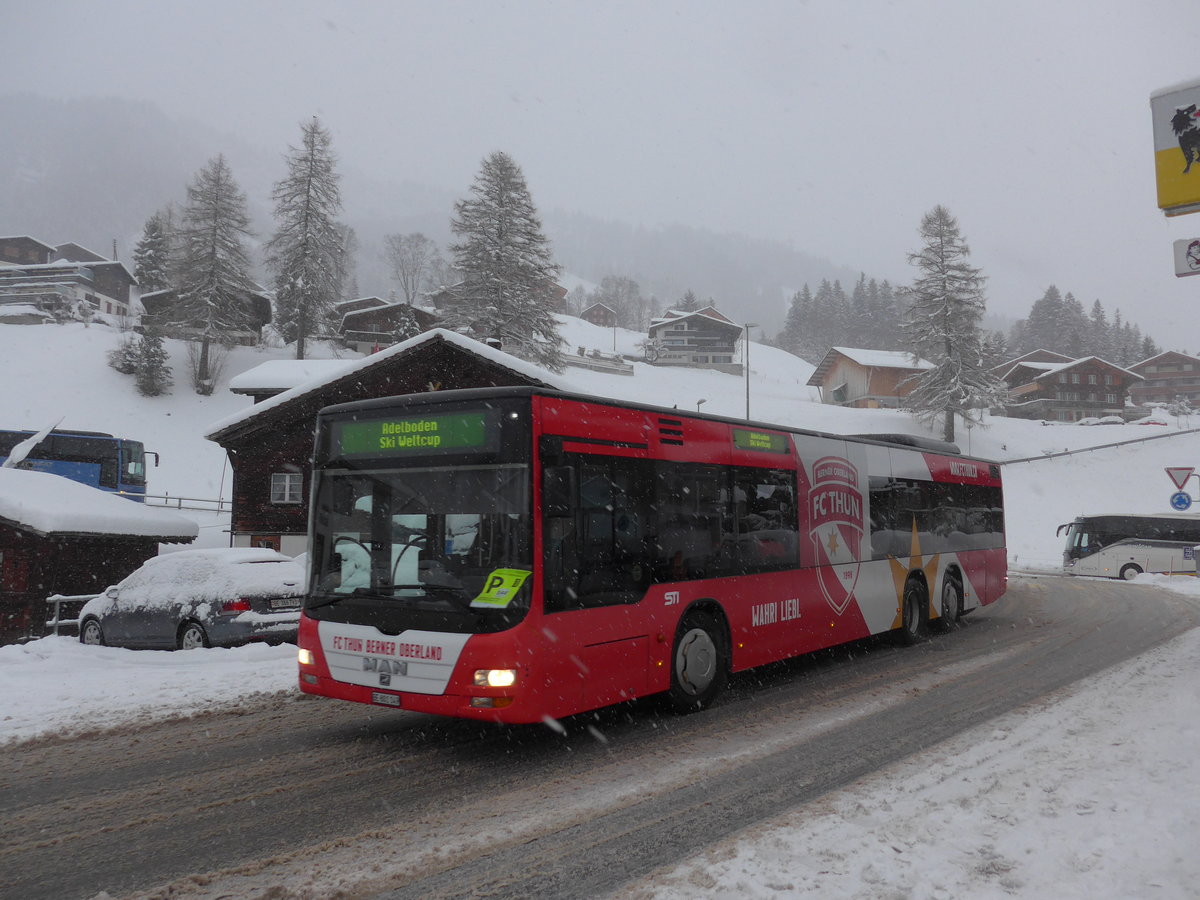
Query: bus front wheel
697,663
1130,572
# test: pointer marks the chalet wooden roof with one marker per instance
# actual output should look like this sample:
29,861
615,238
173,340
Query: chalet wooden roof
1167,354
1040,371
305,399
870,359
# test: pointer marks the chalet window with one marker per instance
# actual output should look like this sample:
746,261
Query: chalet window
1108,379
1092,378
1110,398
286,487
1074,378
1062,379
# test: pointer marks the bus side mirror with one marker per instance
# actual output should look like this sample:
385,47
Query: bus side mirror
1060,529
558,490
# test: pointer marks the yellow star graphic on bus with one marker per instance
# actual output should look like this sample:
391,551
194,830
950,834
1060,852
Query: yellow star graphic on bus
900,572
832,544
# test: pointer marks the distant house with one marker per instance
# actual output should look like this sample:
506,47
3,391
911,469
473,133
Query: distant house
1167,377
60,279
159,307
60,537
1067,391
367,327
275,376
703,339
269,444
867,379
1034,356
448,297
600,314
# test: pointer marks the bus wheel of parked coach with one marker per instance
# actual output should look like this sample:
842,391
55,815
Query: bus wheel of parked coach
518,555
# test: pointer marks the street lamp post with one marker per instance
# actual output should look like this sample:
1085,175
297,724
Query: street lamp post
746,363
700,403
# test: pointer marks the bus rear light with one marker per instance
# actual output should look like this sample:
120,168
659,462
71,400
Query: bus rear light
309,678
490,702
498,678
305,657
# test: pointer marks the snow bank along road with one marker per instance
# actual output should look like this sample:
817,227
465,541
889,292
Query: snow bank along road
310,798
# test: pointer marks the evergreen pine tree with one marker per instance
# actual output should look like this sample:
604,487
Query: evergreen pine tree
306,251
151,257
213,272
790,339
152,374
508,271
689,302
944,326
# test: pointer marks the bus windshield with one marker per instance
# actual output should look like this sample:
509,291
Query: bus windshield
422,539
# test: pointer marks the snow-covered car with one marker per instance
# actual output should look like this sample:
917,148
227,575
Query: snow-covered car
1111,420
1088,420
199,598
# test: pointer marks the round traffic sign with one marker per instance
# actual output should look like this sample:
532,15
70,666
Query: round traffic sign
1181,500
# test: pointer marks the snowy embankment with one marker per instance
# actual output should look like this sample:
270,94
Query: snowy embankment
1088,794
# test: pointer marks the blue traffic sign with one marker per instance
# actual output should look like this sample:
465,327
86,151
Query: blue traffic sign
1181,500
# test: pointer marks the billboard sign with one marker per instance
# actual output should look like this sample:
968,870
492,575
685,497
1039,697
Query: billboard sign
1187,257
1175,112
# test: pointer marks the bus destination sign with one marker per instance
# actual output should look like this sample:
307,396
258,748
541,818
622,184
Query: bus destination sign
413,434
746,439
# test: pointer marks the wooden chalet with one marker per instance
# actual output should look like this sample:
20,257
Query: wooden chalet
703,339
269,444
600,314
61,537
63,277
159,307
370,328
1166,378
1068,391
867,379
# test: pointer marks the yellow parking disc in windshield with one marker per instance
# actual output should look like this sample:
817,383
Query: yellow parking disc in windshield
500,588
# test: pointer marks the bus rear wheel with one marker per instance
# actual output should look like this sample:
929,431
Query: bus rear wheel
950,608
914,615
697,663
1130,572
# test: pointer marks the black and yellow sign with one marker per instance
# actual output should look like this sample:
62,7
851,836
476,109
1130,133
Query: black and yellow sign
1175,113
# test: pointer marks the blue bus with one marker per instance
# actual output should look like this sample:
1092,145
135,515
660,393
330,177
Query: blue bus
112,464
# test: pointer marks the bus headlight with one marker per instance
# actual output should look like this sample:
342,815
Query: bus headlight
305,657
497,678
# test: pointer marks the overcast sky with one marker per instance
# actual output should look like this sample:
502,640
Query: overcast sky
829,125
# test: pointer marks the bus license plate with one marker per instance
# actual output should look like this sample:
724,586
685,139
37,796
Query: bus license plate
384,699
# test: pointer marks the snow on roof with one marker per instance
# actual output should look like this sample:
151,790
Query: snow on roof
1062,367
499,357
883,359
51,504
285,374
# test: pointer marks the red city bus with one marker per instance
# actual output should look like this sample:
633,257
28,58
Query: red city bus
515,554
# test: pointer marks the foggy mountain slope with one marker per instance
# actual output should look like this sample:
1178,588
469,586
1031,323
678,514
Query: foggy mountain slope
93,170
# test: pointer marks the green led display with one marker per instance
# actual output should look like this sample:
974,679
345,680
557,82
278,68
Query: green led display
411,435
746,439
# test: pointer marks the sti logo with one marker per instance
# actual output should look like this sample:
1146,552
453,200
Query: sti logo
836,528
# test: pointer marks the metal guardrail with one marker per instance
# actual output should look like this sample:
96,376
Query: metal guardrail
57,601
167,500
1152,437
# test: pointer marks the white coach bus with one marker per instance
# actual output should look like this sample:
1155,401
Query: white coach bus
1124,545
